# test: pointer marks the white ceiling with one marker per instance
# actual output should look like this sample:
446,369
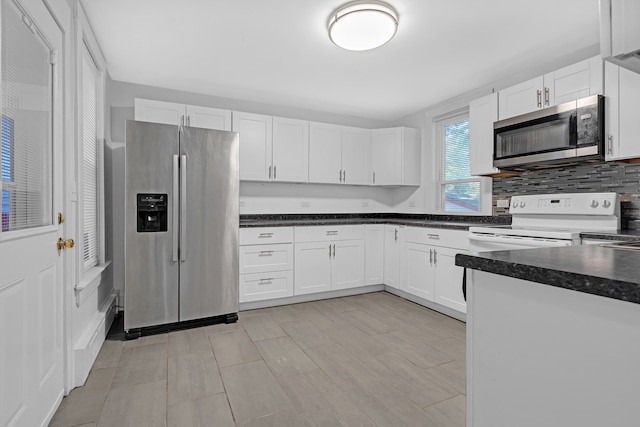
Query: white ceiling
278,52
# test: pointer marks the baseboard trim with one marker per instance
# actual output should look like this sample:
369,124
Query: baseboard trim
429,304
252,305
86,348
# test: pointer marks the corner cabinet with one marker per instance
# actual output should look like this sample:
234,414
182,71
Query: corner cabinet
328,258
147,110
272,148
374,254
396,157
338,154
566,84
392,244
622,127
483,112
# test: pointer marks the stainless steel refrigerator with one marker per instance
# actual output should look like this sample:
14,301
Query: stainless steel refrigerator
181,226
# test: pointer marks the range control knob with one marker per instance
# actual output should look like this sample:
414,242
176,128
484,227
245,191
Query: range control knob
606,203
594,204
522,204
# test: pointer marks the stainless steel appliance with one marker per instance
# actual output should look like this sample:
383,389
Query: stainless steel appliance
181,226
546,220
560,134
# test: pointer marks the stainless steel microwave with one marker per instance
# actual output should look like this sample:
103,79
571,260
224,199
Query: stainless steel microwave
564,133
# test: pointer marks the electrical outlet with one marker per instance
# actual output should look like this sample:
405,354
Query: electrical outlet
365,204
305,204
243,203
412,203
503,203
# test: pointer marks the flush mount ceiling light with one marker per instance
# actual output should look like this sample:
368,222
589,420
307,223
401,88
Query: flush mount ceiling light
363,25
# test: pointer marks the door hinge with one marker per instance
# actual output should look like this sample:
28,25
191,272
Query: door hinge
53,57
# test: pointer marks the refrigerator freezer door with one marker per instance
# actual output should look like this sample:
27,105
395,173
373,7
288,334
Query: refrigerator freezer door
151,277
209,271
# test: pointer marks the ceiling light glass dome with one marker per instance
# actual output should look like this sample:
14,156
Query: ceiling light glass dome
363,25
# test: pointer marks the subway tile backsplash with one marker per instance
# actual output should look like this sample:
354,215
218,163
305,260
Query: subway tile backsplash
622,178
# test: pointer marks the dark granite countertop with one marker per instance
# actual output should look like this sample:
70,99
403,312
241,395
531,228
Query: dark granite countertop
593,269
454,222
626,235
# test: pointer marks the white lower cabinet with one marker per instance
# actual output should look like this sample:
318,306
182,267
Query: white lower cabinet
374,254
392,241
266,263
427,265
328,259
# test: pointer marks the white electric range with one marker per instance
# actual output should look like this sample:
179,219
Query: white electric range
547,220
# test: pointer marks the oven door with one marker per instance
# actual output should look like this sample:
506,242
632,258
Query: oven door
484,242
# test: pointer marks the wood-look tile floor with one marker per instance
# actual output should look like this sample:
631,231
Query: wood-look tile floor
366,360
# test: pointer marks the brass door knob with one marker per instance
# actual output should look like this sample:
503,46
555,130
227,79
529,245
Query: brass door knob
69,243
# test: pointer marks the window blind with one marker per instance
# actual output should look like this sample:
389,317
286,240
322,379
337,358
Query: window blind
90,161
27,95
457,191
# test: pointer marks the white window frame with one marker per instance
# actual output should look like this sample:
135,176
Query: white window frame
89,277
485,183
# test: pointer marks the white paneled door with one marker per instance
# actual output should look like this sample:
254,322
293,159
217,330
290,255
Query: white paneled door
31,290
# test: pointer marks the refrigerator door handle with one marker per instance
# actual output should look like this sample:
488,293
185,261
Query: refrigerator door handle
174,203
183,207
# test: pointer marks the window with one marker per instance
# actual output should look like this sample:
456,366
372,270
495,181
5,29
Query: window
27,112
457,191
90,161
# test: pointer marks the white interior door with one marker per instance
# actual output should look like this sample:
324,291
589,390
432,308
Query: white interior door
31,318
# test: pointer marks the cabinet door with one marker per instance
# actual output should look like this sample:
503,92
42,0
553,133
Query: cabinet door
147,110
392,239
448,279
573,82
611,110
483,112
419,270
255,145
386,156
521,99
325,153
629,131
348,264
374,254
290,150
263,286
312,272
208,118
356,155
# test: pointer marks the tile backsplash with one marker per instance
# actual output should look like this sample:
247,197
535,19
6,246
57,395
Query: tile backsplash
622,178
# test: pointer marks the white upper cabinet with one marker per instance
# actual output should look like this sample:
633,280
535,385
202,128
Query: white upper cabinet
520,99
290,150
566,84
208,118
325,153
147,110
396,158
255,145
483,112
338,154
356,156
622,127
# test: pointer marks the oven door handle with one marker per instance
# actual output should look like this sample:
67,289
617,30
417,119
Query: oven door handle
521,241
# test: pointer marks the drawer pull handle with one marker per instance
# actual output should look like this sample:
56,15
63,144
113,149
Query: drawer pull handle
433,236
332,233
262,235
265,253
267,280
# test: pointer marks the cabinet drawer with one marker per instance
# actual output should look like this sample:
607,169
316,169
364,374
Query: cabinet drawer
437,237
264,286
328,233
266,235
264,258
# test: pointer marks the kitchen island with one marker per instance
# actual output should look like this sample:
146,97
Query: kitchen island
553,337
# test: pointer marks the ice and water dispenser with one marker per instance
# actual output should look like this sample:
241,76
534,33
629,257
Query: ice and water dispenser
152,212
